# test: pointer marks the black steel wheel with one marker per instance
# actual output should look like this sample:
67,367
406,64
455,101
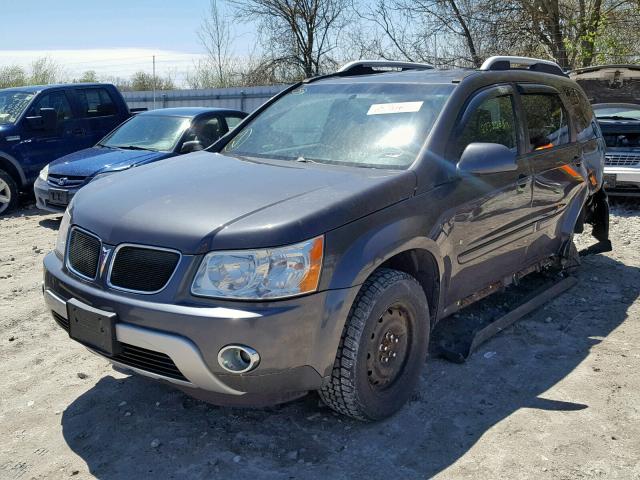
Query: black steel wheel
382,349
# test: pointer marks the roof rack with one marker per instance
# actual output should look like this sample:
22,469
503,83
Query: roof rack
366,67
533,64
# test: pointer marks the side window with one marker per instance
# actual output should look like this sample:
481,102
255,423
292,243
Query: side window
546,120
492,121
95,102
56,100
582,113
232,122
205,131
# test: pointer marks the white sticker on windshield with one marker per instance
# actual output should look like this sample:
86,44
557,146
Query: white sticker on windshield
401,107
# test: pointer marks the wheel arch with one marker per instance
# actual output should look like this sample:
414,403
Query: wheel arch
10,165
422,265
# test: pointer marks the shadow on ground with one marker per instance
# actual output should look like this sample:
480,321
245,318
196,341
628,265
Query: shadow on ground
454,407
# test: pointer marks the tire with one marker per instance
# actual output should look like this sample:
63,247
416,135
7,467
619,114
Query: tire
390,311
8,193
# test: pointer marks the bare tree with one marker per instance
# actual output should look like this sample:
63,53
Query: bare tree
13,76
143,81
216,38
297,34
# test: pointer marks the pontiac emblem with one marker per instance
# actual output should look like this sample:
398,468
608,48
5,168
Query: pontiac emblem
105,257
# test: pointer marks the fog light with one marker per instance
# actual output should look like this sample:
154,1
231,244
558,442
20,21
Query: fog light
238,358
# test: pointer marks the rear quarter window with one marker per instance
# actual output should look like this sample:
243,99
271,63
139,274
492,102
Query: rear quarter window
581,112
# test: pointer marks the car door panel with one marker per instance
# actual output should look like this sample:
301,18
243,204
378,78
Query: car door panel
493,224
556,160
40,147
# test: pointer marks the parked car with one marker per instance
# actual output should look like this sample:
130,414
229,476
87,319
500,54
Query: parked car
614,91
145,138
319,244
41,123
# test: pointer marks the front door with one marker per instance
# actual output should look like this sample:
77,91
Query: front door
41,146
493,225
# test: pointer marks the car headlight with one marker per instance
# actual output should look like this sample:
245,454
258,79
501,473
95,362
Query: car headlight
63,232
261,274
44,173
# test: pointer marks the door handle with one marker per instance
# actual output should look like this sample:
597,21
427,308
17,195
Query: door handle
78,131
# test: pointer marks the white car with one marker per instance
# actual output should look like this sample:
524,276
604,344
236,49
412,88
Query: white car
614,91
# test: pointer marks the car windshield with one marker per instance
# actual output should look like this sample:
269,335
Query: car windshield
361,124
148,132
12,104
622,112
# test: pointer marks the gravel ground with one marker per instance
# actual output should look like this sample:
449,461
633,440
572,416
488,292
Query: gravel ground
555,396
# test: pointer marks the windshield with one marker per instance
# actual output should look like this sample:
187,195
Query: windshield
623,112
148,132
361,124
12,104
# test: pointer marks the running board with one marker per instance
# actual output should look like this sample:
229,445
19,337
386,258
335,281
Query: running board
460,351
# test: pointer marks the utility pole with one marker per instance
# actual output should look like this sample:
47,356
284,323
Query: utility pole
154,82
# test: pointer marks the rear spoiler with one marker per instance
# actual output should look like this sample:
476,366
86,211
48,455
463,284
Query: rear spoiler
135,111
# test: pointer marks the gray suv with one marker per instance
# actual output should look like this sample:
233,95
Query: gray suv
316,245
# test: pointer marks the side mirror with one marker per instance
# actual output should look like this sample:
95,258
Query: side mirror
47,120
192,146
485,158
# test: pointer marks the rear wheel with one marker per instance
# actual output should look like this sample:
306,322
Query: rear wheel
382,349
8,192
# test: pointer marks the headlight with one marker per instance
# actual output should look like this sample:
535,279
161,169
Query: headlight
63,232
44,173
261,274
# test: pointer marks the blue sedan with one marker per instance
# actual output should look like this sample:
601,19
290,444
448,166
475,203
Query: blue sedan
145,138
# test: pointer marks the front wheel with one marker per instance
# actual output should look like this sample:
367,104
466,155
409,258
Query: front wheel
8,192
383,347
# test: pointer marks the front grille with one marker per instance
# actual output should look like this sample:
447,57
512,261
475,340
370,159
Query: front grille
622,160
65,180
149,361
60,320
84,253
142,269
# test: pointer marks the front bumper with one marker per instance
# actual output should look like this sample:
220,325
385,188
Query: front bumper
627,181
297,339
41,191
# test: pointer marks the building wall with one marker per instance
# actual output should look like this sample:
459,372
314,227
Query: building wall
246,99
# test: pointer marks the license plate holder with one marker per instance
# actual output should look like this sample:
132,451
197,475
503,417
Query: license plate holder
610,180
93,327
58,196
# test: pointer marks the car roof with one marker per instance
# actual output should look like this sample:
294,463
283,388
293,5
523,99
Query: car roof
434,76
188,111
40,88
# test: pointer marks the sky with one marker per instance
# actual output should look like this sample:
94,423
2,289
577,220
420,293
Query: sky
112,37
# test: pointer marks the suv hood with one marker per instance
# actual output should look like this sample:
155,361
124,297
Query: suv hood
610,83
206,201
88,162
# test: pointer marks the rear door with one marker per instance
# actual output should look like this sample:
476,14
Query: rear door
98,111
555,158
493,225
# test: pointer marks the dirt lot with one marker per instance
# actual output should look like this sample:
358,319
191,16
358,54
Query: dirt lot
555,396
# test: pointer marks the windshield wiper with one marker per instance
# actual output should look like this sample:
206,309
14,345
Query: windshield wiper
302,159
131,147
